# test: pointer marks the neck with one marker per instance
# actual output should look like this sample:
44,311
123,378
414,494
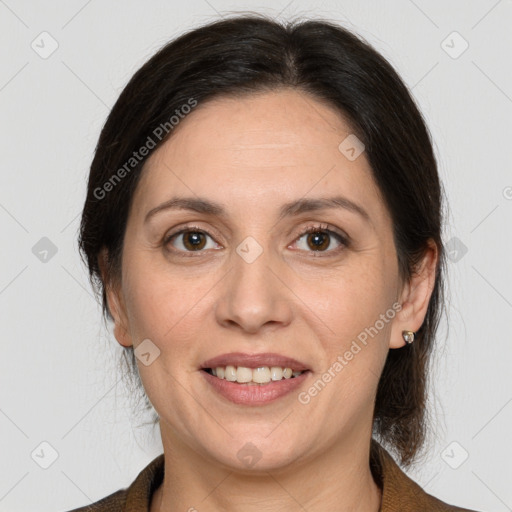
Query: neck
339,479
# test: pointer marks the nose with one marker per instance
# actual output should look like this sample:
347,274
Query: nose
254,296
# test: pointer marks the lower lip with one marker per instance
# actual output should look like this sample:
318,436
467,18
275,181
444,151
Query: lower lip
258,394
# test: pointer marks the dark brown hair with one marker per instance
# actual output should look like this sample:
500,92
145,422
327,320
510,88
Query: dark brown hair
250,53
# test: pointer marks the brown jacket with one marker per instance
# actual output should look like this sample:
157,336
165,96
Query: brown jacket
399,492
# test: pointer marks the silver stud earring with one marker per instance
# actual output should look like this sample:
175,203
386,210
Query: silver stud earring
408,336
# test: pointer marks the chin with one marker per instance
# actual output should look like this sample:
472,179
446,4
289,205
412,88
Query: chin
253,454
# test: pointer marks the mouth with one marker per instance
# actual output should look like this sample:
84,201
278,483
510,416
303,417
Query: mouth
260,376
254,379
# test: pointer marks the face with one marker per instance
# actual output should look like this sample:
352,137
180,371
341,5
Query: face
236,280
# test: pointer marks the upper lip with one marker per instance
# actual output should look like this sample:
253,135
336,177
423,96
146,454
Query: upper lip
254,361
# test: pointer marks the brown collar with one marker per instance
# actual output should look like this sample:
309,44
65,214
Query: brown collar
399,492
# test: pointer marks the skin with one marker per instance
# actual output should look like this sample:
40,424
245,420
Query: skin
253,154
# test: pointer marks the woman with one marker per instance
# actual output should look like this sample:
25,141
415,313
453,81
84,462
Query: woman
263,222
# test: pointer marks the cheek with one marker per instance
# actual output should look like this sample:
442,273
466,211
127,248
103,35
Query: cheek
349,300
147,305
353,335
167,309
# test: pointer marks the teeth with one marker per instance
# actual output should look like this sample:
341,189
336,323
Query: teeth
243,374
261,375
230,373
276,373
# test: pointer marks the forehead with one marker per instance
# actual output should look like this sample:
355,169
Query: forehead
256,150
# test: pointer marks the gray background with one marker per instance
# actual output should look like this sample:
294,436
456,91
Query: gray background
60,381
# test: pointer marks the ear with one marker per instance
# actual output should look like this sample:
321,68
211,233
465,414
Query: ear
115,303
415,297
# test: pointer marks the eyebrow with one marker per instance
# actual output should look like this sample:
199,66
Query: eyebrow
293,208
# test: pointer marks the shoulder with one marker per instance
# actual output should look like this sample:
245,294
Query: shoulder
135,497
112,503
399,492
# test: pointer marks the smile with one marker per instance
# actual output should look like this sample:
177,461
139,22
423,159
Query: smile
257,376
254,379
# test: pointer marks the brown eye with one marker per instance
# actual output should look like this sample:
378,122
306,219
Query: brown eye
319,239
190,240
194,240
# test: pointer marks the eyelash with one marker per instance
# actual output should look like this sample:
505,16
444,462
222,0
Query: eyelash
320,228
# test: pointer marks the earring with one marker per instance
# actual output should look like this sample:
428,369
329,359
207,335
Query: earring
408,336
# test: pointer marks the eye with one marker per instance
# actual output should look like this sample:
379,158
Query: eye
320,239
190,239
